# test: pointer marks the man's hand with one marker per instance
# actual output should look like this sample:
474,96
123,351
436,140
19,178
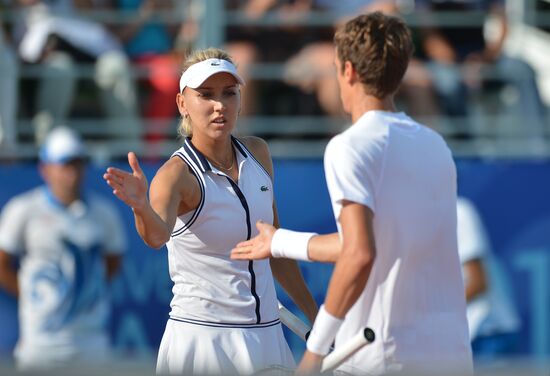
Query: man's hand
310,364
257,248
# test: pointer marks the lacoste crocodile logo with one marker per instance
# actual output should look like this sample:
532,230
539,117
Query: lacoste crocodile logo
264,188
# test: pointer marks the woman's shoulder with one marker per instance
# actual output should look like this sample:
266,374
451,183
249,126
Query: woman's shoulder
257,146
254,143
175,170
260,151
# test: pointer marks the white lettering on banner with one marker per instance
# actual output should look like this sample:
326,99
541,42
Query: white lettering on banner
131,334
143,282
537,264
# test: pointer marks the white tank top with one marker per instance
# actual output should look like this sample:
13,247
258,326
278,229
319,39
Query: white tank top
209,288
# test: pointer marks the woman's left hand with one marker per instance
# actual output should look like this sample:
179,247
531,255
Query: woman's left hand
131,188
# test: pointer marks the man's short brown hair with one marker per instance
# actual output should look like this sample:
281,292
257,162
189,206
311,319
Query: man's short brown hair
379,47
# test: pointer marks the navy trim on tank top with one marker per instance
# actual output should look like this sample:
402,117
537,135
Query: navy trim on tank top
202,161
239,147
196,155
242,145
240,194
203,194
227,325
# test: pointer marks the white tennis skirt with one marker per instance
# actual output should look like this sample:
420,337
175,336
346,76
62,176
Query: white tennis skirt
194,349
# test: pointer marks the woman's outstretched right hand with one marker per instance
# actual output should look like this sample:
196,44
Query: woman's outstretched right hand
131,188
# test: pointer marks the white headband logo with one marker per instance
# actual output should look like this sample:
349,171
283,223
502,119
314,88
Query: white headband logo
197,73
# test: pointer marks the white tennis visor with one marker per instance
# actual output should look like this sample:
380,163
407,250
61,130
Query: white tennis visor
197,73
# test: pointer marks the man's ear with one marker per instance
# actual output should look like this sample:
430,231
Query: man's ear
350,74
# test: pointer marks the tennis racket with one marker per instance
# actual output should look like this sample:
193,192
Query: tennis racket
292,322
333,359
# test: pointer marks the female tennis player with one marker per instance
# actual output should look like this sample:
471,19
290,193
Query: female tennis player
202,201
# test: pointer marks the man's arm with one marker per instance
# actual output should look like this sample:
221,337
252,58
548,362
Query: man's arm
112,265
474,278
349,278
8,273
473,248
355,262
321,248
324,248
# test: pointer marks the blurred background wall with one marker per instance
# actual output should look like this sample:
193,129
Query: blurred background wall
517,217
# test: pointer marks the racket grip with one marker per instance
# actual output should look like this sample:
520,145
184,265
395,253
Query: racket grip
341,354
294,323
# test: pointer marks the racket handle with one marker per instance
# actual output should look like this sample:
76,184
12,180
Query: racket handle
342,353
294,323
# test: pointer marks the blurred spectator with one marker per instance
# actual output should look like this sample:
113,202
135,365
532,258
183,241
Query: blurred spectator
312,68
493,322
68,243
50,34
246,43
461,58
155,46
8,94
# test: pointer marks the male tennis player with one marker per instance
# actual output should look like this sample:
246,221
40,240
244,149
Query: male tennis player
392,183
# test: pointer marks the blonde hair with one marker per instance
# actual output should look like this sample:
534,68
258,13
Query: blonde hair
185,127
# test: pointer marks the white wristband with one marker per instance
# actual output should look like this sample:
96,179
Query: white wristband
323,333
291,244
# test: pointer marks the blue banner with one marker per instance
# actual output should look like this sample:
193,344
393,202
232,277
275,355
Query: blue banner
512,197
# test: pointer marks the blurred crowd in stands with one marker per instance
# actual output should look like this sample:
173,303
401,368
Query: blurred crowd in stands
119,61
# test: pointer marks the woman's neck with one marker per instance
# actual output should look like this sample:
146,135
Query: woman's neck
219,151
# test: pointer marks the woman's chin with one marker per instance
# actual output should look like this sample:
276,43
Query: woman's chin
220,129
